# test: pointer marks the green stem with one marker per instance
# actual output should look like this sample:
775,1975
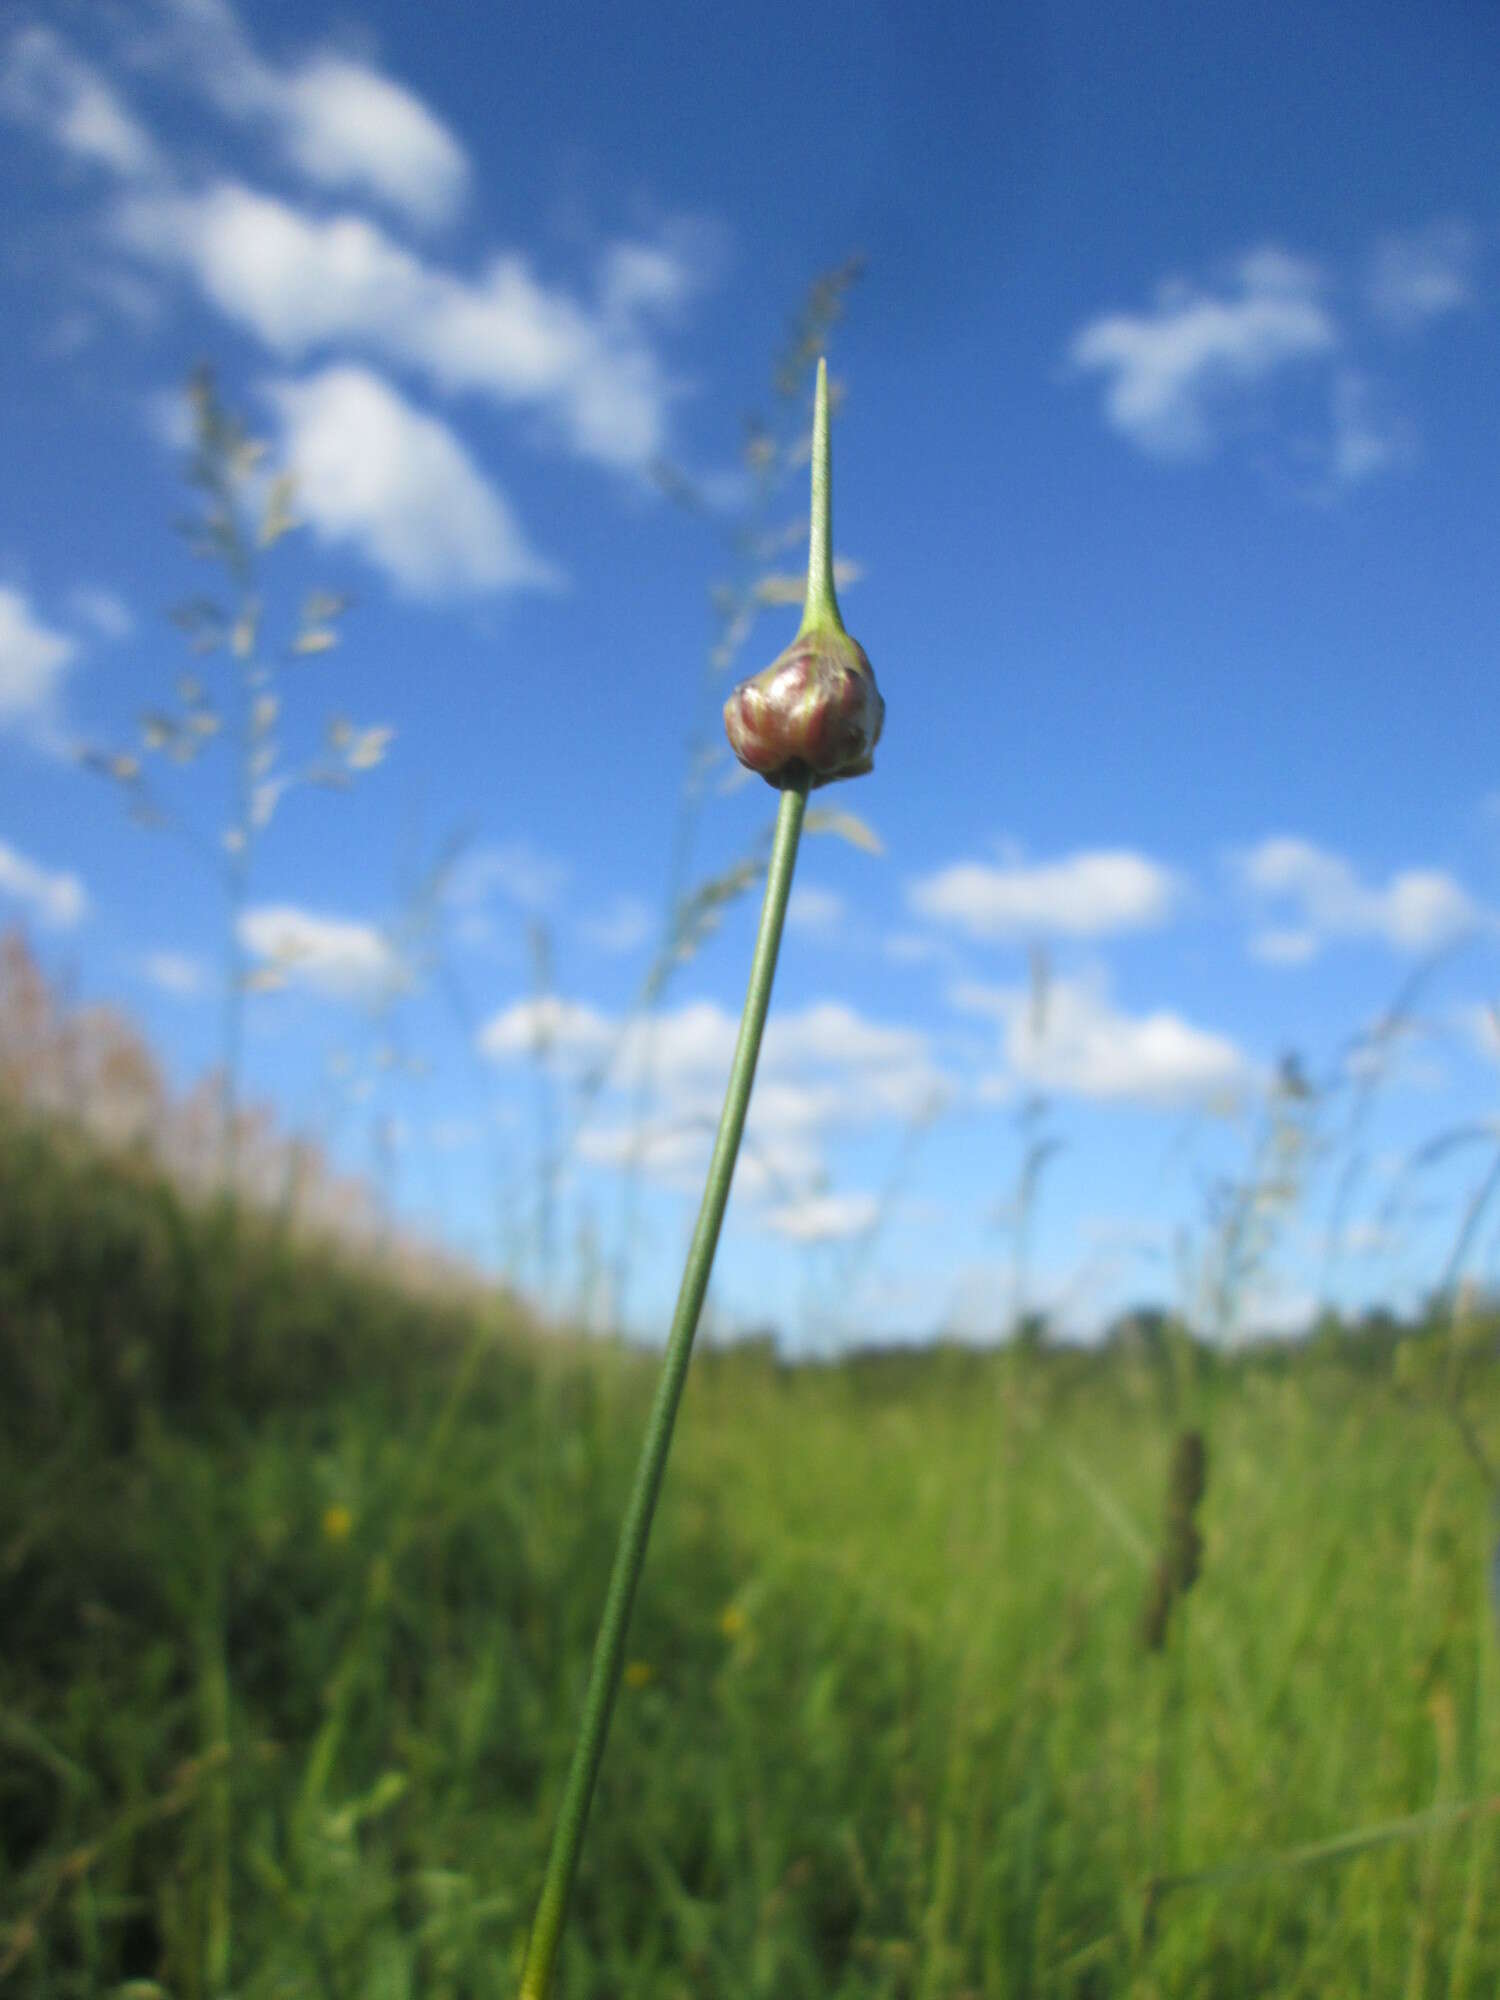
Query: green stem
822,606
562,1863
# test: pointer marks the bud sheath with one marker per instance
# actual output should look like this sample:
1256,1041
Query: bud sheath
815,714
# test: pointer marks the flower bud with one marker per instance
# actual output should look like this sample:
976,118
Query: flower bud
815,713
815,710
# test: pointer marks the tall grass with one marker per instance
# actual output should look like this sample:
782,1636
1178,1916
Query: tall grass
234,695
888,1727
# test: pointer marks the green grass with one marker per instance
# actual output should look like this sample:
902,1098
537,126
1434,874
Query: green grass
299,1578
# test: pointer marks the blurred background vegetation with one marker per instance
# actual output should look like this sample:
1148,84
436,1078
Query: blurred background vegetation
1148,1668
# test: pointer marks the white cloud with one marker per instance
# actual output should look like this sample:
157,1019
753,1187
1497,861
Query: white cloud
300,281
1208,360
1174,374
1422,274
57,899
657,278
830,1031
514,869
823,1070
1284,947
673,1152
46,86
819,911
1365,438
1087,895
349,126
1417,910
567,1028
334,956
1482,1024
177,973
340,122
33,661
373,471
826,1218
1274,1308
1080,1045
623,927
105,610
911,949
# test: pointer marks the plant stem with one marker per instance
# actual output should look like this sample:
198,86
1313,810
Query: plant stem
630,1556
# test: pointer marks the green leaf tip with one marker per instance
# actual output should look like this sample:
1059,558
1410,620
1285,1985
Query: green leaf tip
821,609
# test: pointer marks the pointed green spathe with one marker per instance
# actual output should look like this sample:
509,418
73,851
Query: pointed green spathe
821,607
815,713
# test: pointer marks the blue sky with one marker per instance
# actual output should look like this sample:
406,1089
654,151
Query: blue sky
1165,478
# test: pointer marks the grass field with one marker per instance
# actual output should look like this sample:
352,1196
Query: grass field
299,1576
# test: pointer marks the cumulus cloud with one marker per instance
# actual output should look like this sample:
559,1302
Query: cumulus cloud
34,659
823,1070
672,1149
1173,374
349,126
339,122
395,483
1284,947
650,277
1318,896
333,956
46,86
300,279
1080,1045
1090,894
623,927
918,948
826,1218
300,282
180,974
568,1028
56,898
1481,1023
687,1049
105,610
1365,437
515,871
1261,349
1422,274
815,910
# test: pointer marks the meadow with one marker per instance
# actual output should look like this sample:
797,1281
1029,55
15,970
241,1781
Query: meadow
1066,1650
300,1570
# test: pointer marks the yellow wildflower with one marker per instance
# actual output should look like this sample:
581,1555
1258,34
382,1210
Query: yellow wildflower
731,1621
639,1673
338,1523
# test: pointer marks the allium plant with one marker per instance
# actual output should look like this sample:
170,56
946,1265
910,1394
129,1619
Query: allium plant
813,716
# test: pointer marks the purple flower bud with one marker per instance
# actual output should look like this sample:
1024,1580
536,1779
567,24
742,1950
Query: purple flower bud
814,714
815,711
